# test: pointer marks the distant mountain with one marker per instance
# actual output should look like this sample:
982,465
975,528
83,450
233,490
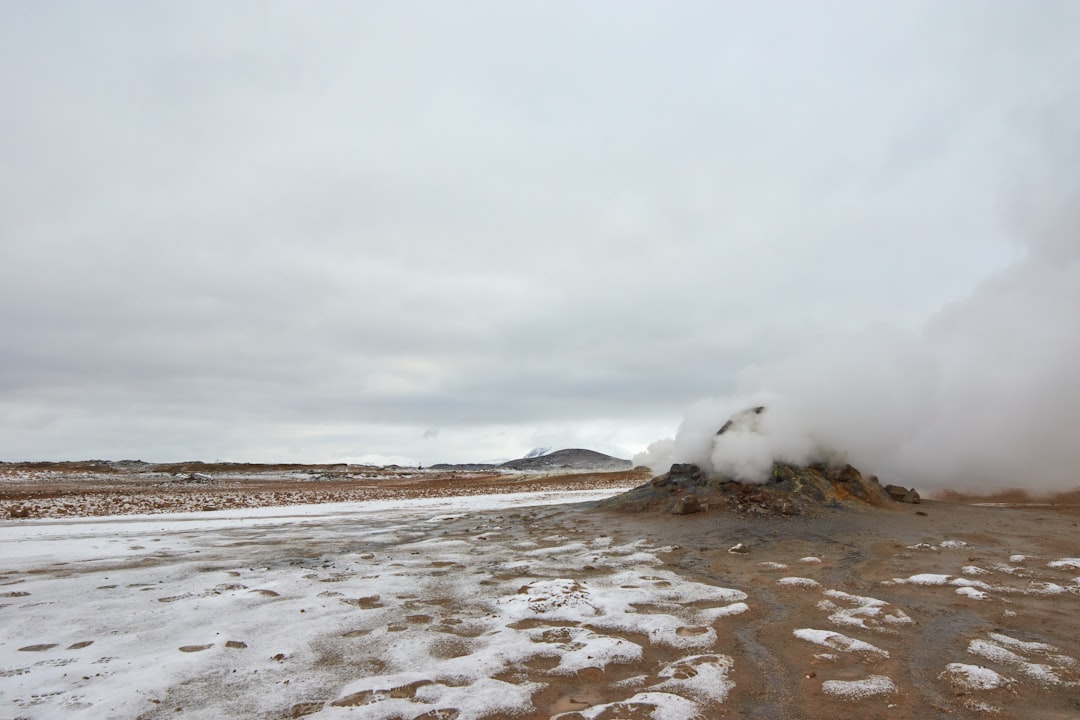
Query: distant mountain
570,459
464,467
544,459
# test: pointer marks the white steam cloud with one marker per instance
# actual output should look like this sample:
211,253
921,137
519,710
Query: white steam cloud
986,395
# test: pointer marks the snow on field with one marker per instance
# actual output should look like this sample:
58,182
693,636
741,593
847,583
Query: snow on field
464,607
866,687
1054,668
866,613
943,545
837,641
401,608
975,677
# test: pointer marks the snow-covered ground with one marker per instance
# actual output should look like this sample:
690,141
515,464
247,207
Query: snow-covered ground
462,607
402,608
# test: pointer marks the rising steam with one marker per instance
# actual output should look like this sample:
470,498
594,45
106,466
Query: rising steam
986,395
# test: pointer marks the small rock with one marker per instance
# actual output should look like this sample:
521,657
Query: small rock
686,505
739,549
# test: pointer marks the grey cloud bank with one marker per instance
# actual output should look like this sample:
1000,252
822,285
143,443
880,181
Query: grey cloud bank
262,232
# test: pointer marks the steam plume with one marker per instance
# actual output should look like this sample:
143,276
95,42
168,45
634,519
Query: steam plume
986,395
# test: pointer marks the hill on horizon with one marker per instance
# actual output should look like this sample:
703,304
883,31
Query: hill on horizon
567,459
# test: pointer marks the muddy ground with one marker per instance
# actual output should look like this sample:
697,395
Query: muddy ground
779,676
937,610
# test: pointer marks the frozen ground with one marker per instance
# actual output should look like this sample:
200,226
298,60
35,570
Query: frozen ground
514,605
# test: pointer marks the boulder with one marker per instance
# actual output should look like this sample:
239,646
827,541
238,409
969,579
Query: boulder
686,505
900,493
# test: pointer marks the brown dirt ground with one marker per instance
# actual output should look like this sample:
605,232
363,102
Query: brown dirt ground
775,674
778,676
56,490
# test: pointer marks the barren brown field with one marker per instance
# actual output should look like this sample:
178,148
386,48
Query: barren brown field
79,489
453,596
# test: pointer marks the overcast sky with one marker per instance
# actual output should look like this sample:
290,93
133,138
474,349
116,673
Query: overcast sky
457,231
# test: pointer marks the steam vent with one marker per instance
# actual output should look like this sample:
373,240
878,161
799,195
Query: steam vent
790,490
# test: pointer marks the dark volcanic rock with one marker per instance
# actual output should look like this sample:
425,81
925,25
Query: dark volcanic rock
792,490
903,494
740,418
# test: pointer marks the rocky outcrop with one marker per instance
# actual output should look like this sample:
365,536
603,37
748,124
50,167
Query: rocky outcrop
745,418
791,490
903,494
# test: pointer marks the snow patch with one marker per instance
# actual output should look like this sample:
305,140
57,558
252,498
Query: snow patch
864,612
920,579
560,599
1043,588
704,677
972,593
856,689
586,649
974,677
659,705
943,545
1041,672
837,641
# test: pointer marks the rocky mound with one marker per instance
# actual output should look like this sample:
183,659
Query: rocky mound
792,490
571,459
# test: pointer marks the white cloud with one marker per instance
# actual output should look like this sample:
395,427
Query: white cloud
314,234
